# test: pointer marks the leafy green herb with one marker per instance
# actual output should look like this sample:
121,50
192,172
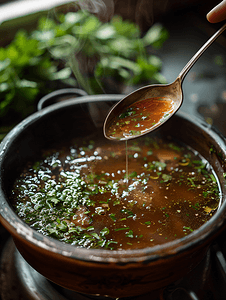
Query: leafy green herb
105,231
166,177
129,234
188,228
191,180
150,152
212,149
52,52
135,132
156,165
134,148
174,147
133,174
122,228
212,177
147,223
112,216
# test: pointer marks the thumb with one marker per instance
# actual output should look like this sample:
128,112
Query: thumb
218,13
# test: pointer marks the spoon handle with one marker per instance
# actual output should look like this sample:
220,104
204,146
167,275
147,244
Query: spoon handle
192,61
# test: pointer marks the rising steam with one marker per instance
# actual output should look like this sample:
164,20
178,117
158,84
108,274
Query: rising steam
103,9
141,12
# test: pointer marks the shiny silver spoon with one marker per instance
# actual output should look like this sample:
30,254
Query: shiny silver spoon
171,91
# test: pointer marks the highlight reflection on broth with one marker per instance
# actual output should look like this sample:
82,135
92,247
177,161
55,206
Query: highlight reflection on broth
80,194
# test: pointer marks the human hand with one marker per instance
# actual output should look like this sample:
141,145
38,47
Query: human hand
218,13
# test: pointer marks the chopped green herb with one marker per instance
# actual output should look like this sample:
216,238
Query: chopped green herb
91,204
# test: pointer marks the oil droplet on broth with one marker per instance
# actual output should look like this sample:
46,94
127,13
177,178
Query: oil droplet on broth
140,117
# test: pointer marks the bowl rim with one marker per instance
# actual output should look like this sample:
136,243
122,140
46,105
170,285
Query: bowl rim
18,228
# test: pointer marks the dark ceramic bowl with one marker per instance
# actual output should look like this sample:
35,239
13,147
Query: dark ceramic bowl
105,272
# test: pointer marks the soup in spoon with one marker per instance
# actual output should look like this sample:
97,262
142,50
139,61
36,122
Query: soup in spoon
139,118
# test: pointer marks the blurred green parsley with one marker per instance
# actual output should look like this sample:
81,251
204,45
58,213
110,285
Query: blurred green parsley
74,50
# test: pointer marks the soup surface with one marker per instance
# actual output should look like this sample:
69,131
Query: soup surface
81,193
140,117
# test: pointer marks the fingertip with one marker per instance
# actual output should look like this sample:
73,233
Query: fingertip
208,17
218,13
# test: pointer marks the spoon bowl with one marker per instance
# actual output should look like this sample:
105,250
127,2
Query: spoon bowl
172,92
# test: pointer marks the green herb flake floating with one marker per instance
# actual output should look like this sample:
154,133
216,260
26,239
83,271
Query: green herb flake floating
83,196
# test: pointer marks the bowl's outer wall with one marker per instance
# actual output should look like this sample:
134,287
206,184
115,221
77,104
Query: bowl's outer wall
110,279
139,274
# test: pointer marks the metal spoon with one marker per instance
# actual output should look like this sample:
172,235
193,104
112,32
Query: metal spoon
172,91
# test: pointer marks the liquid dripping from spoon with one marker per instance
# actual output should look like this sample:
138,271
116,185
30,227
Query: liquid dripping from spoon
127,164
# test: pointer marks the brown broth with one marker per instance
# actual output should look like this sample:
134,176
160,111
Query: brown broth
140,117
80,195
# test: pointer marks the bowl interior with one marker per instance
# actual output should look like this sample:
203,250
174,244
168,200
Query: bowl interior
84,116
